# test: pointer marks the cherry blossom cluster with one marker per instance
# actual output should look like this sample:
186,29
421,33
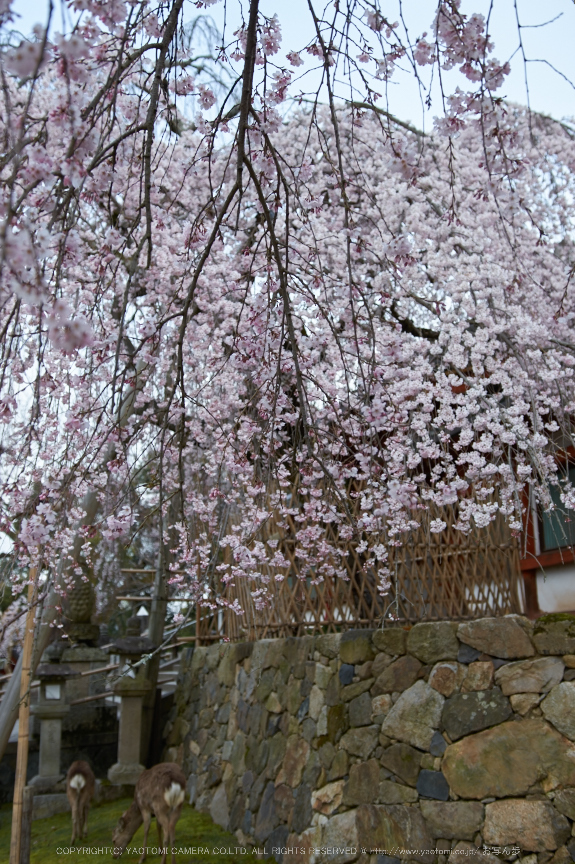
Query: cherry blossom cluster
258,334
463,41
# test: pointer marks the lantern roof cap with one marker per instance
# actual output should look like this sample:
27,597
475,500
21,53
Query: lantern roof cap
131,646
55,670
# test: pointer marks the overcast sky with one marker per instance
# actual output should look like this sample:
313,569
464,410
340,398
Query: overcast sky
552,44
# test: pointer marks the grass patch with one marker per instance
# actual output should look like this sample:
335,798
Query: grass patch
193,830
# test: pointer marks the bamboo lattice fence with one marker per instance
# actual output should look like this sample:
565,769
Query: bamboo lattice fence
443,576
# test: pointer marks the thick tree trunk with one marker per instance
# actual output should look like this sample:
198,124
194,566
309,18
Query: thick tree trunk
26,837
24,722
156,634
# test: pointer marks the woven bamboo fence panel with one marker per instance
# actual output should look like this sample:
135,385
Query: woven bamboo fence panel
446,576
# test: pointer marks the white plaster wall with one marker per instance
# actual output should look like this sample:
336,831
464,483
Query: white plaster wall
556,588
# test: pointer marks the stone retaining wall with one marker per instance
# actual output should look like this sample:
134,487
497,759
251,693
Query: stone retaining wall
439,741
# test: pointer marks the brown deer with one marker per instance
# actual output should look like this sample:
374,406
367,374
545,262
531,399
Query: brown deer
80,782
159,792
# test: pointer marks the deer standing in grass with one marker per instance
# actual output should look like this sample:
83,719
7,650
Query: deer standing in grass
80,782
159,792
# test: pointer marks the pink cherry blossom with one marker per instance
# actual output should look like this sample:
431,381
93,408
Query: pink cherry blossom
294,58
271,36
25,59
206,97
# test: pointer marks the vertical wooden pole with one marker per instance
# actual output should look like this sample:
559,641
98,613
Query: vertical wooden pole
532,609
23,724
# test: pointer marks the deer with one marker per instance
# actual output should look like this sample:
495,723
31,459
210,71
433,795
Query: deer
80,783
159,792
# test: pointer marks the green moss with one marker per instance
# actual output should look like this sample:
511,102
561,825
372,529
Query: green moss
554,618
193,830
551,617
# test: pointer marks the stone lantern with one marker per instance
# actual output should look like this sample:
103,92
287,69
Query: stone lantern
132,686
50,709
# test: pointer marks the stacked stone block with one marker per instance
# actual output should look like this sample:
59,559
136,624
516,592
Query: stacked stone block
445,740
